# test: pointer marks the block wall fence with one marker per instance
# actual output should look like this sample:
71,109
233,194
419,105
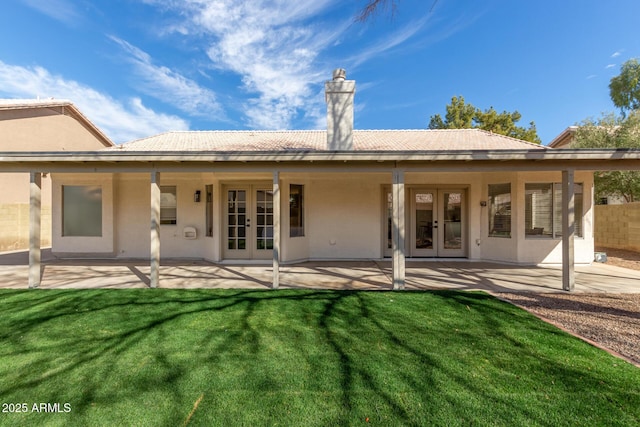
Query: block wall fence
618,226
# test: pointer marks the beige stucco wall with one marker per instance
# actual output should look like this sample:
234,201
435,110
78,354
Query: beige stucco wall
618,226
133,217
344,215
34,129
44,129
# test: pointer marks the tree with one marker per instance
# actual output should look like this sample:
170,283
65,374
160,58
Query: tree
373,6
465,116
624,89
611,131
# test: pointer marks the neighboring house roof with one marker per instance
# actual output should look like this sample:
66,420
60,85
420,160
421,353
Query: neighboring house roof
65,106
565,138
316,140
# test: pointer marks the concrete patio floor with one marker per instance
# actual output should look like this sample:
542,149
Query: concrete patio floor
365,275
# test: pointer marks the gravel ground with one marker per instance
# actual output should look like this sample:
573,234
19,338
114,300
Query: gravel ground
611,321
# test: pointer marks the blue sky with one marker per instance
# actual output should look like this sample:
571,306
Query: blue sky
141,67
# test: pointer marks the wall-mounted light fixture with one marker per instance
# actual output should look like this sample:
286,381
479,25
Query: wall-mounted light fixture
196,196
483,203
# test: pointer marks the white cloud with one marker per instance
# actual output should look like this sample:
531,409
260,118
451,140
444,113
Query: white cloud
591,76
275,51
277,48
120,122
610,66
616,54
272,45
390,42
170,87
60,10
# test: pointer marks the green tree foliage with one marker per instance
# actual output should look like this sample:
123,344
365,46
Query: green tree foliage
611,131
461,115
624,89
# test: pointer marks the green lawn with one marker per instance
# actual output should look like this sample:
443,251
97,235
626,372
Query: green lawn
299,358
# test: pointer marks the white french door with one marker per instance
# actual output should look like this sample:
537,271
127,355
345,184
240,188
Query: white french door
248,222
452,223
423,233
435,223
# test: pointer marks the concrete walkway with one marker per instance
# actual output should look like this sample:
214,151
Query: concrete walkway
369,275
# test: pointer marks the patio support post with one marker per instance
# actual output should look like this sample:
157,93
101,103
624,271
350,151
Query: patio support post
154,254
276,230
35,202
568,230
397,227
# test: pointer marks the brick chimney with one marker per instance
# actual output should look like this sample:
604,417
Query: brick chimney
339,96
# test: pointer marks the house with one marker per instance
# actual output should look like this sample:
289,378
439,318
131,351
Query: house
37,125
339,194
564,140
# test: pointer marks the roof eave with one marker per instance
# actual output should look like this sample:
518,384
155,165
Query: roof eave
372,155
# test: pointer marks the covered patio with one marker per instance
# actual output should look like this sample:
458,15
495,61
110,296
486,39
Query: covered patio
402,274
454,274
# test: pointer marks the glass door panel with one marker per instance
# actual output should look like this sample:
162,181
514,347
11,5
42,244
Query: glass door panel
452,220
453,223
264,220
387,243
237,220
423,223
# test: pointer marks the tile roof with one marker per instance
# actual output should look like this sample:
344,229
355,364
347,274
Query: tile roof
315,140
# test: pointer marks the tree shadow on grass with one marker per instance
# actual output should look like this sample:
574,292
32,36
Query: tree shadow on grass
398,358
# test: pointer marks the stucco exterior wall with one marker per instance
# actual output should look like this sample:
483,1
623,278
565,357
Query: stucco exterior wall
34,129
344,215
133,217
44,129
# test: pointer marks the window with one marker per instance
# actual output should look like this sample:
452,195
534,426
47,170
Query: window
543,209
500,210
209,210
296,210
168,205
82,210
